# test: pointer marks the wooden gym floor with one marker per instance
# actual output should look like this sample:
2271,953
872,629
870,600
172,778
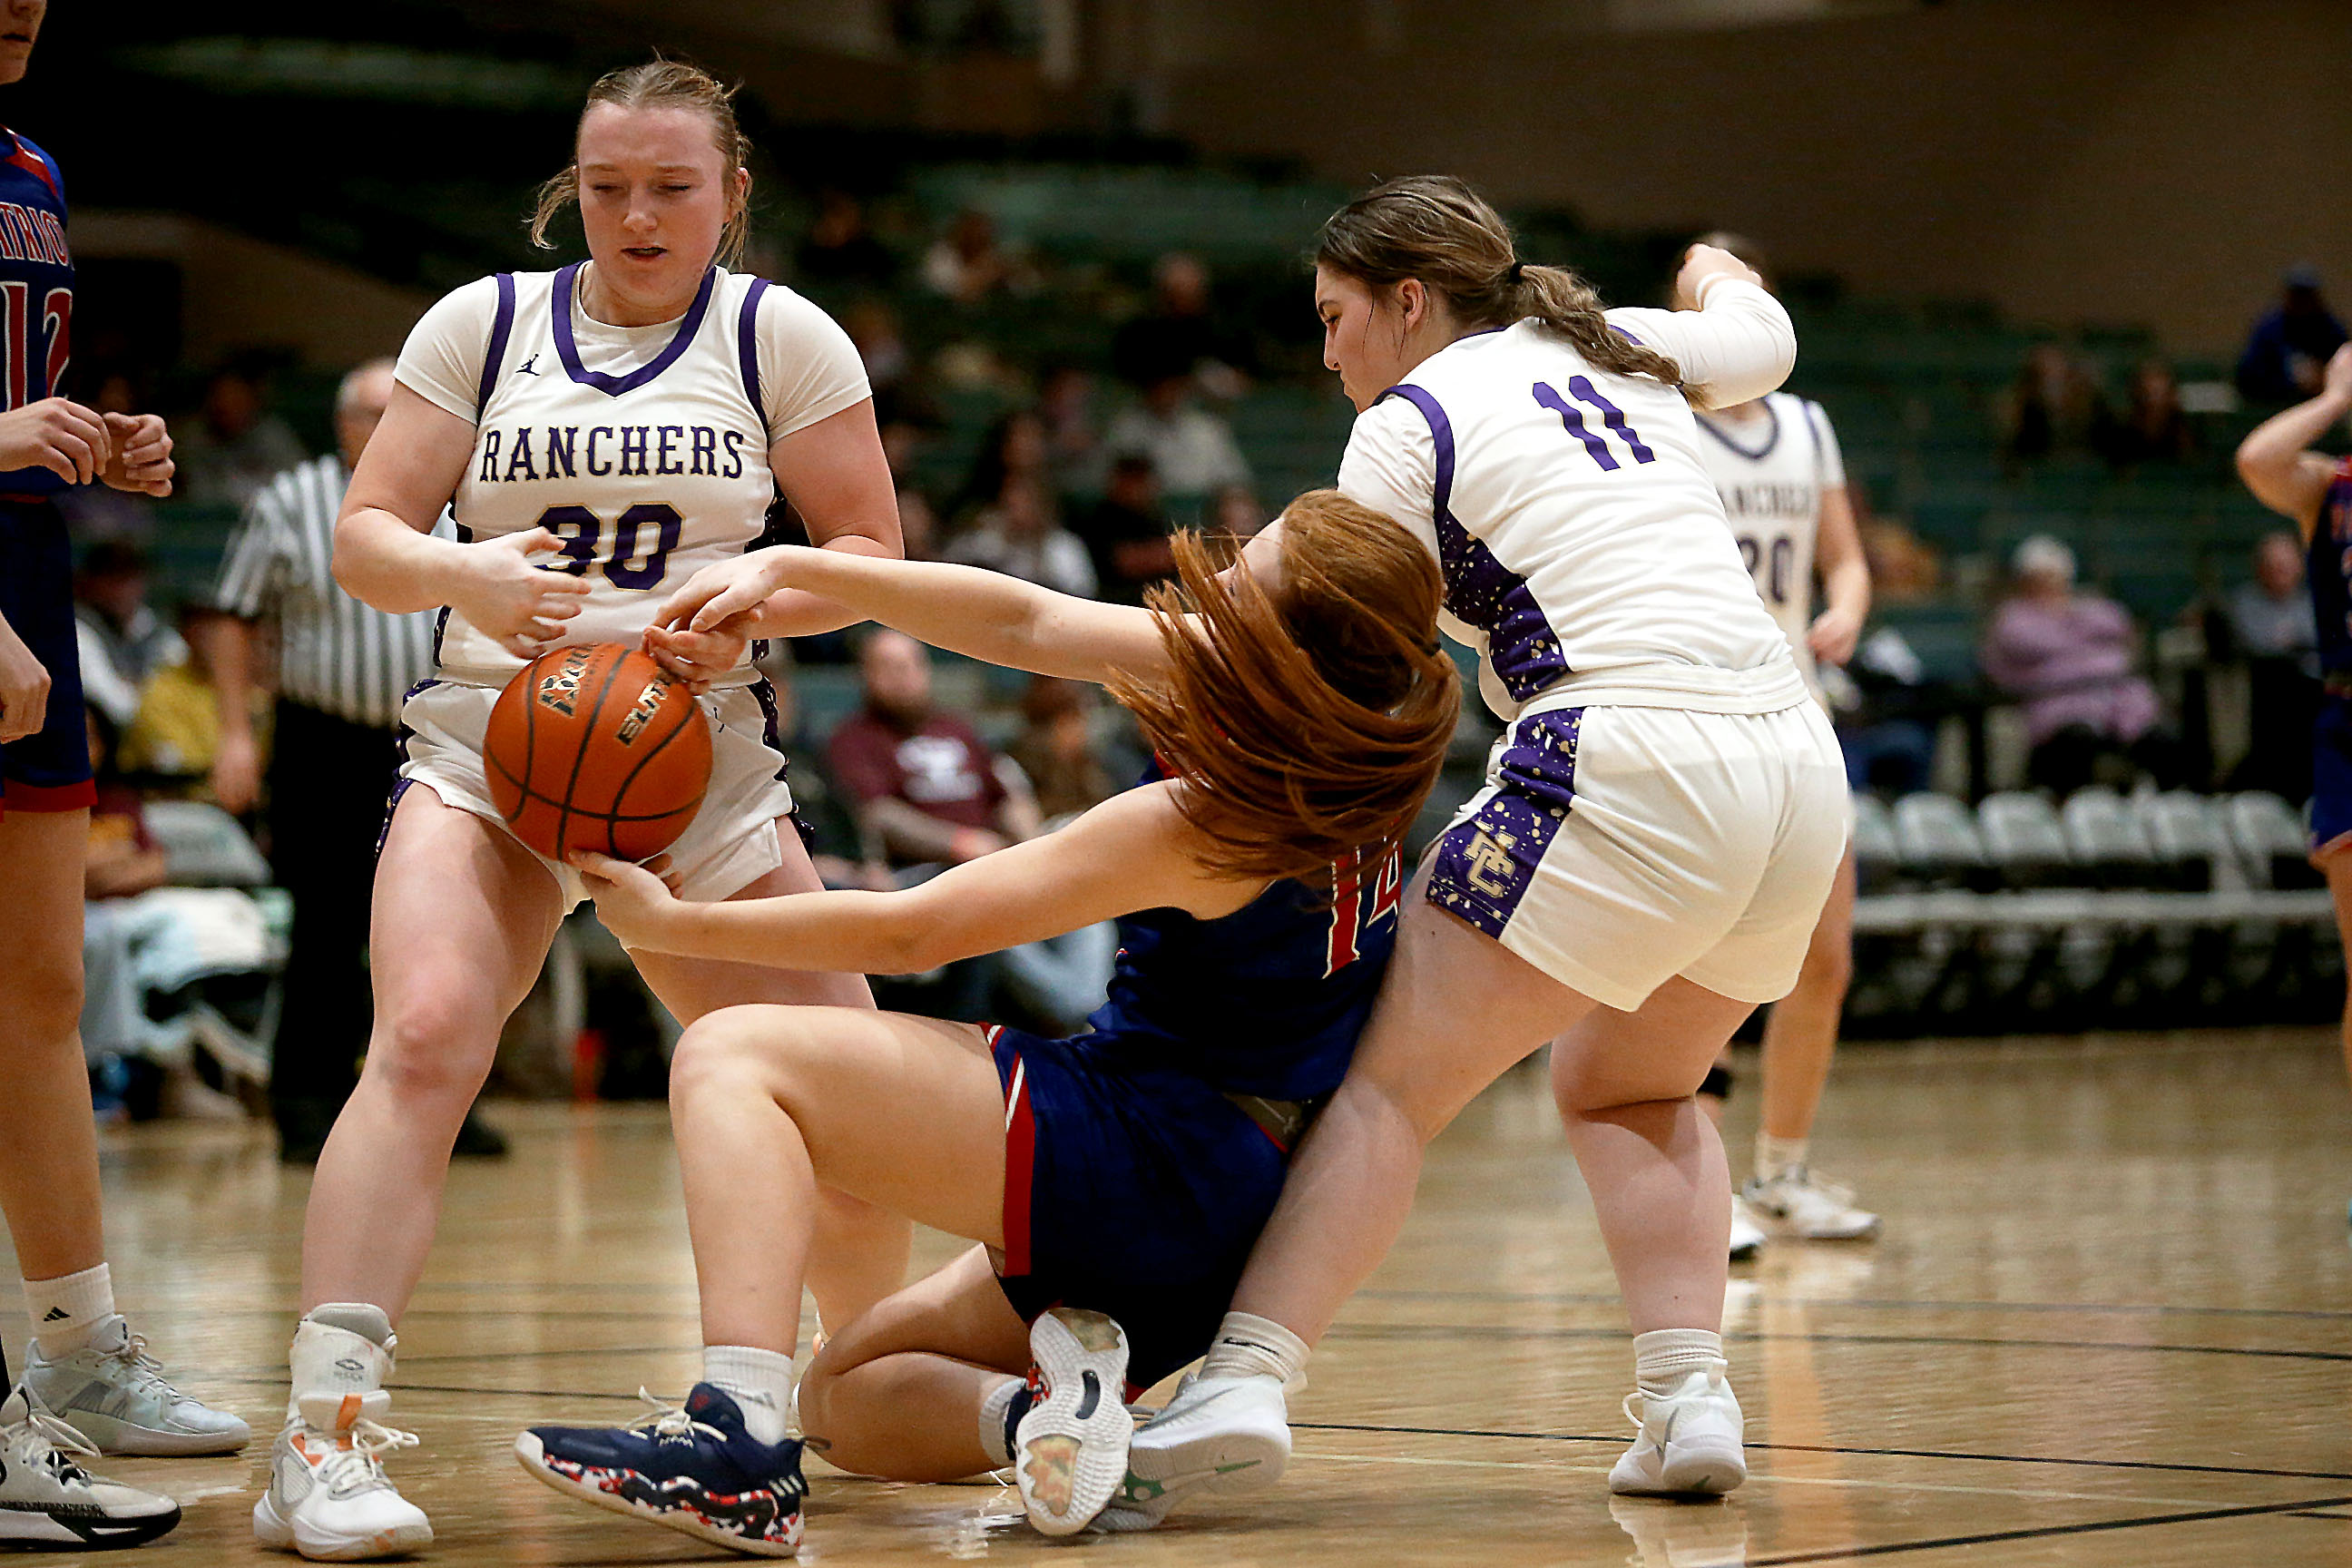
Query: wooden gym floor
2106,1325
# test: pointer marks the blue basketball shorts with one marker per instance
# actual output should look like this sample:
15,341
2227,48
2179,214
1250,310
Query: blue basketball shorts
2331,776
49,769
1134,1192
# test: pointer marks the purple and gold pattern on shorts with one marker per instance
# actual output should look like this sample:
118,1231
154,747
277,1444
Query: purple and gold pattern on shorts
1480,591
1484,864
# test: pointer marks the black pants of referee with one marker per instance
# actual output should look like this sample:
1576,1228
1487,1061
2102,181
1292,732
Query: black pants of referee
328,778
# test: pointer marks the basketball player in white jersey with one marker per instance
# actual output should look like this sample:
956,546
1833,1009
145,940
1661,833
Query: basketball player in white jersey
601,431
1775,464
1662,818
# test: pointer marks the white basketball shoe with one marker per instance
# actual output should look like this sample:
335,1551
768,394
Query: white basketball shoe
1796,1203
327,1497
1219,1437
47,1500
115,1394
1686,1443
1746,1236
1070,1447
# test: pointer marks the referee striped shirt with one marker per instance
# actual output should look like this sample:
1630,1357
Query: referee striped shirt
335,654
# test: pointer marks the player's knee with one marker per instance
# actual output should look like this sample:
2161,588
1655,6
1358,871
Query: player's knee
43,1000
431,1048
717,1054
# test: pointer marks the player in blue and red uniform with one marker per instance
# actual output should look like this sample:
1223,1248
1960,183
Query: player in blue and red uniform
2315,490
84,1361
1115,1180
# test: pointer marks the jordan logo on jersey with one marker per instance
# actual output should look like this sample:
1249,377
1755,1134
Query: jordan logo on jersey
529,366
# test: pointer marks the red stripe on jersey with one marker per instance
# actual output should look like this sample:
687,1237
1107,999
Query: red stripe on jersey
23,157
1020,1167
48,798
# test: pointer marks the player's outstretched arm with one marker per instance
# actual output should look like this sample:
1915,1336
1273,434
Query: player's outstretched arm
1733,341
1132,852
966,609
2276,460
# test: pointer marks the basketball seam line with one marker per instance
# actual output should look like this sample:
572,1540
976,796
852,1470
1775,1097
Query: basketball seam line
622,793
580,758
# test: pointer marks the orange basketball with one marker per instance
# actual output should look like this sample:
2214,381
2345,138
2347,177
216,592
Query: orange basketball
597,747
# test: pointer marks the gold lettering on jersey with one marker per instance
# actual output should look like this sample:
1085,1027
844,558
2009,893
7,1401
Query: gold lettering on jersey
641,714
560,690
1490,864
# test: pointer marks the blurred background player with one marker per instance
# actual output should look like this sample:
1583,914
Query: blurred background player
1775,463
344,669
603,429
89,1385
2315,491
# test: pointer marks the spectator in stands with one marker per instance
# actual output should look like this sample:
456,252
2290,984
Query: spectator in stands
837,849
173,744
97,514
122,640
1065,403
899,396
2290,344
236,445
1182,334
919,525
1014,449
926,789
967,264
1127,534
2271,627
841,248
1055,748
1903,568
2054,408
2071,658
1236,512
1192,451
1020,536
2153,428
343,670
926,792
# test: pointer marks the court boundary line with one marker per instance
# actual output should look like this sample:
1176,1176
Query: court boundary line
1555,1331
2044,1532
1619,1438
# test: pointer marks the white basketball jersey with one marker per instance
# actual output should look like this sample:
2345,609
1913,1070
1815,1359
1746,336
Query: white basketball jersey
645,449
1583,546
1772,471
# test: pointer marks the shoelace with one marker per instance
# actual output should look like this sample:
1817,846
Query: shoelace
146,1372
360,1467
667,1420
42,1440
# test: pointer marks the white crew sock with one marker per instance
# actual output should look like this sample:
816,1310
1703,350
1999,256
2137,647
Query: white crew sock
325,1365
1779,1156
67,1311
1663,1357
761,1382
1249,1346
996,1420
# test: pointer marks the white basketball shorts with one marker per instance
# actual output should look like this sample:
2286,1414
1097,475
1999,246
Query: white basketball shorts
731,842
1615,848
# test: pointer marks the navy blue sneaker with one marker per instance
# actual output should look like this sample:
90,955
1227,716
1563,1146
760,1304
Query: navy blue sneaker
695,1471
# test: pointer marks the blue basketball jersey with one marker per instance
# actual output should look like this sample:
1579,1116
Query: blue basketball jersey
36,290
1267,1000
2328,566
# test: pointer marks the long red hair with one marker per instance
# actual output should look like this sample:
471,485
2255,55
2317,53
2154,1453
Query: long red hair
1309,720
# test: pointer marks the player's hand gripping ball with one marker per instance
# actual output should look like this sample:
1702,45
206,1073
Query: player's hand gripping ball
597,747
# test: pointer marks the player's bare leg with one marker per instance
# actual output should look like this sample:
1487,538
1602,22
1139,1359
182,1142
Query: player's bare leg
861,1249
1800,1041
48,1174
448,971
895,1393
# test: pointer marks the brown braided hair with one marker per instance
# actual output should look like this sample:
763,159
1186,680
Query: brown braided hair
1436,228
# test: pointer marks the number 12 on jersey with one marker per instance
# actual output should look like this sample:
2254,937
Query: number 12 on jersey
1613,417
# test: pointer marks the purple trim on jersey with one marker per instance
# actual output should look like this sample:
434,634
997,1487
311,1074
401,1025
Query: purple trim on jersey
568,350
501,328
1485,863
1521,646
1627,335
747,345
772,731
400,785
1770,441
